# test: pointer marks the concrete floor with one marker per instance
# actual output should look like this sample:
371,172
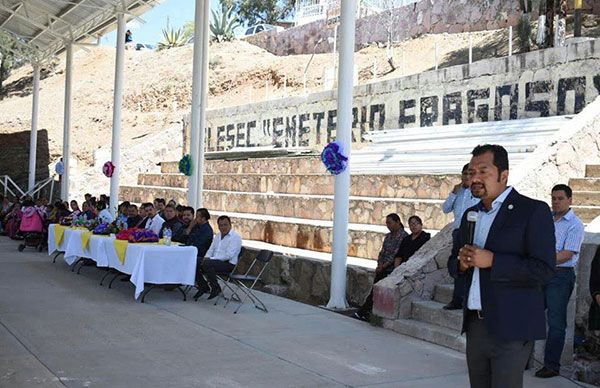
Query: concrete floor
62,329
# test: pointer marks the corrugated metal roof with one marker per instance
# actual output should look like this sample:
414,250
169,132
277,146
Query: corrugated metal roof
46,26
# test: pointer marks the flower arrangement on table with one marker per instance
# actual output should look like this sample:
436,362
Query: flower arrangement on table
125,233
143,236
106,229
66,221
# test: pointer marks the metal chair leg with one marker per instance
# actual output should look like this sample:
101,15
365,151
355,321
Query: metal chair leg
75,264
113,279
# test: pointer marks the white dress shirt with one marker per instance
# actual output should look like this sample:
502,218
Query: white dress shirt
225,249
458,203
155,223
485,219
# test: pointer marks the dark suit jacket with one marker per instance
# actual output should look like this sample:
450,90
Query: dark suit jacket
594,316
523,242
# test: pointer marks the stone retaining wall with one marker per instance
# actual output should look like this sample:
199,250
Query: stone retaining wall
14,158
423,17
307,280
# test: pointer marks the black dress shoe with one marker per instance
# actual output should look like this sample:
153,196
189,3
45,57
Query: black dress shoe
546,373
214,293
453,306
362,316
201,291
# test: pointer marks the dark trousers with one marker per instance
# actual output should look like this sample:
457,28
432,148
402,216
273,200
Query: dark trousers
493,363
557,294
368,305
210,268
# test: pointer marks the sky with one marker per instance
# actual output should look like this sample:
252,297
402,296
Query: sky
177,11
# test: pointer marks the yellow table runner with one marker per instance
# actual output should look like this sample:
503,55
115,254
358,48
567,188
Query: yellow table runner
85,239
59,232
121,248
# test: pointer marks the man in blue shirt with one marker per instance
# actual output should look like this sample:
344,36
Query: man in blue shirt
569,233
459,200
507,262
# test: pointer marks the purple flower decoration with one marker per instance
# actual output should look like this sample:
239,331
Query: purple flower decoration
102,229
143,235
333,159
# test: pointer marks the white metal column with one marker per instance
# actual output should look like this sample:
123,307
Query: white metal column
195,115
337,295
35,108
117,107
203,102
64,185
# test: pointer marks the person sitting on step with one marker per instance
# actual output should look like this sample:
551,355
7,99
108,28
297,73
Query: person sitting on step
173,223
413,242
221,257
159,205
385,261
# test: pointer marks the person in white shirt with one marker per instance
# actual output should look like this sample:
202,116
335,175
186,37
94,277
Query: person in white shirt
155,221
222,257
459,200
104,216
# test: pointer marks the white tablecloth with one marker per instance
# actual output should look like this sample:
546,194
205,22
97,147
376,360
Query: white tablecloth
52,247
146,263
156,264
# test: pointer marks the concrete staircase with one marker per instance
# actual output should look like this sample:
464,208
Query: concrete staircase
288,201
430,322
586,194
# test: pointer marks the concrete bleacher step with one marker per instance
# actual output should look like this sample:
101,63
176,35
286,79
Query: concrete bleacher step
372,185
430,311
279,165
585,184
436,334
443,293
592,171
363,210
586,213
586,198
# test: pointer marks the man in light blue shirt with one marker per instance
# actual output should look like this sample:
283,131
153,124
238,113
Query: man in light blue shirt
459,200
569,233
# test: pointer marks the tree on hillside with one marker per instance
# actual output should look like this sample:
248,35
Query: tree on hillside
253,12
12,55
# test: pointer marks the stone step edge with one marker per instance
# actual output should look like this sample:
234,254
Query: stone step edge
236,174
291,195
444,288
419,330
361,262
427,305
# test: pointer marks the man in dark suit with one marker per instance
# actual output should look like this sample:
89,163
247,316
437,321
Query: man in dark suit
512,257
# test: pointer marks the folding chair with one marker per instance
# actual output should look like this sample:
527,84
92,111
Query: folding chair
225,278
263,257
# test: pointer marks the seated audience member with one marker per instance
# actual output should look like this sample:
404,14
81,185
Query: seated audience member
123,212
75,211
173,223
104,215
594,316
413,242
87,197
222,256
198,232
186,215
173,203
143,215
86,211
154,220
159,205
385,261
133,218
58,212
179,210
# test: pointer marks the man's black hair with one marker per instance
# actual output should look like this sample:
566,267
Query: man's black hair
499,152
565,188
465,167
221,218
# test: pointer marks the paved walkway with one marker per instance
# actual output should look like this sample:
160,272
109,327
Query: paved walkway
62,329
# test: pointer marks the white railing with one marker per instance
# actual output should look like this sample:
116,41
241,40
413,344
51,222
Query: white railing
9,186
40,185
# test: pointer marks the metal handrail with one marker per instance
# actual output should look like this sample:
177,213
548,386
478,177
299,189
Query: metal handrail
5,180
40,185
